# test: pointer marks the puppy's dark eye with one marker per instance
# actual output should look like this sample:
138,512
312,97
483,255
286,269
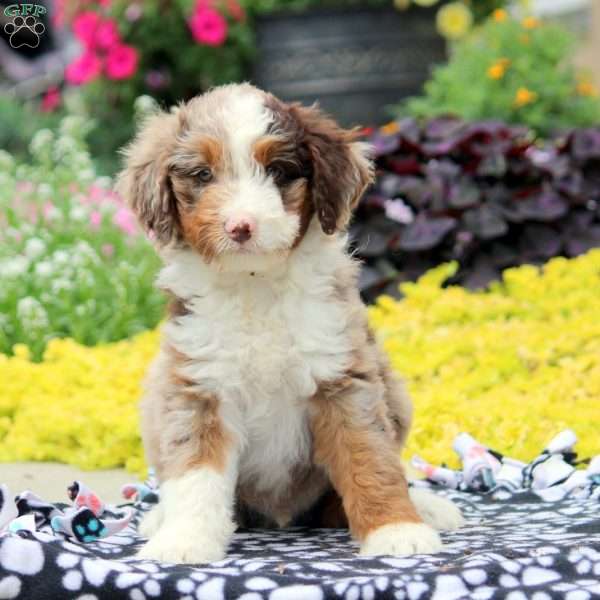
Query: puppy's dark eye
277,173
204,175
283,173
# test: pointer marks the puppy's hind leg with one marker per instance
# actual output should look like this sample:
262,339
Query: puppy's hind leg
440,513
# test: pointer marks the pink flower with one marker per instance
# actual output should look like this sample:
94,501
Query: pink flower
32,213
58,14
83,69
25,186
95,194
157,80
133,12
95,219
121,62
85,25
125,221
108,249
236,10
51,99
398,211
208,26
50,211
107,35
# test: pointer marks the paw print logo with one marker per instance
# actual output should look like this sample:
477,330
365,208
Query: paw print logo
24,31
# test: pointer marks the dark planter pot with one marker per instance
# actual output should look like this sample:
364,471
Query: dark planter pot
354,62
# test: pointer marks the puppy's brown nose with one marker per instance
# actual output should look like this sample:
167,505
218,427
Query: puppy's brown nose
241,233
241,229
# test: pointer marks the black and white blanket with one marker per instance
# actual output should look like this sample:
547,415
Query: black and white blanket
519,548
517,544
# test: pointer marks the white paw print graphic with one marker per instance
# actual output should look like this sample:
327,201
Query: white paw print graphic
24,31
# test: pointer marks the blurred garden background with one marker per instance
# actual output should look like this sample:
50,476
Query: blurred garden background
479,239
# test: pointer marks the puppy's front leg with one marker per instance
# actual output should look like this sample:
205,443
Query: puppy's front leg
198,471
352,441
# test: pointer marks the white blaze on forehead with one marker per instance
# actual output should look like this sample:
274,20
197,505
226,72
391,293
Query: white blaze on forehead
246,119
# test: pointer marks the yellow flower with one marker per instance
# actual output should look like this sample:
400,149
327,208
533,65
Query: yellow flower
500,15
425,2
498,69
512,365
586,88
530,23
21,351
78,406
524,97
389,128
454,20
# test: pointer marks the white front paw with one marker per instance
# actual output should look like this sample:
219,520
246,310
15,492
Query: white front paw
185,544
164,548
151,521
436,511
401,539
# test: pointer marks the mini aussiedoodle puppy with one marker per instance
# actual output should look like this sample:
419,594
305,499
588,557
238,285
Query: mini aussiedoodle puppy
269,397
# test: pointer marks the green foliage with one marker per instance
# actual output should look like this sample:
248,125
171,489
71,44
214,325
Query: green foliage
518,72
18,122
484,8
72,263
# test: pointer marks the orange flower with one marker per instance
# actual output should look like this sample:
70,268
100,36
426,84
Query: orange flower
524,97
499,15
498,69
530,23
389,128
587,88
496,72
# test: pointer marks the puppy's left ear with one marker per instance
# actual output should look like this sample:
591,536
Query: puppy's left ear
341,167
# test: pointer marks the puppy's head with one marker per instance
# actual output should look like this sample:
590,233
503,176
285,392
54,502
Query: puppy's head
237,175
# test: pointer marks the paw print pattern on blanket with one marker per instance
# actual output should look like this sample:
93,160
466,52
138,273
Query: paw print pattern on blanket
521,540
24,31
519,545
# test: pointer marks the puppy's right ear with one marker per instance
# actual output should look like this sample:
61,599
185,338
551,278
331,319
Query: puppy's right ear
144,182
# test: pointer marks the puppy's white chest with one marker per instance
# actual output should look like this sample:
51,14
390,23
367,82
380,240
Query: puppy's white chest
260,344
263,352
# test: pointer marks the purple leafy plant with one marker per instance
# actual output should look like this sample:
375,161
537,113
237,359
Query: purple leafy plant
486,194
